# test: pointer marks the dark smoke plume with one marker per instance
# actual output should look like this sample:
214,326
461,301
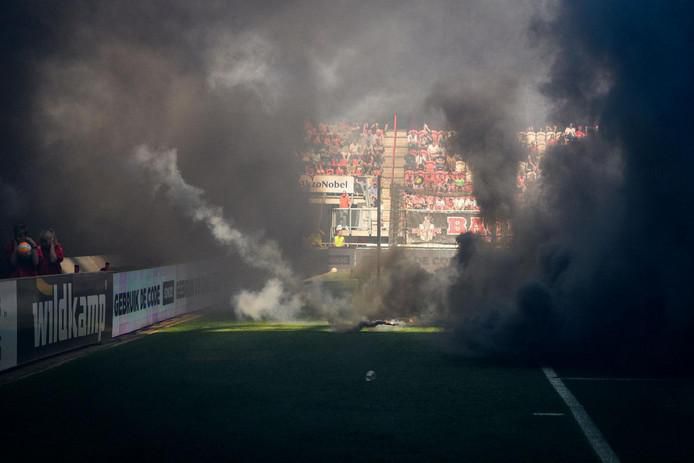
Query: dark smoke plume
602,255
483,118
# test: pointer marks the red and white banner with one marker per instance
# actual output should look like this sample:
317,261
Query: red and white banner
443,227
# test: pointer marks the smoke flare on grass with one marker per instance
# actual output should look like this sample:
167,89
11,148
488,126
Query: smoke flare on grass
279,298
272,302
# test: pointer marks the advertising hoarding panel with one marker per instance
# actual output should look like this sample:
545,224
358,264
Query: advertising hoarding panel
58,313
327,183
8,324
142,298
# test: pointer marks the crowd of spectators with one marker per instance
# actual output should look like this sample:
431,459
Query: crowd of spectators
439,203
536,143
436,178
430,150
550,135
439,182
25,257
435,175
343,149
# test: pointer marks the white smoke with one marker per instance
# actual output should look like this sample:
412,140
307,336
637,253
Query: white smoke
282,297
162,167
276,300
247,61
273,302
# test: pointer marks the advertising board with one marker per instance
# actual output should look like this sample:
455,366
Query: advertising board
441,227
58,313
197,285
8,324
327,183
142,298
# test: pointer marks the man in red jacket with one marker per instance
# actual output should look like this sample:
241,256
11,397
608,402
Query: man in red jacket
52,252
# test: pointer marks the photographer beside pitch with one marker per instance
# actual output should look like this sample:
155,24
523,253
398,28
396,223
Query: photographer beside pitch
23,254
26,258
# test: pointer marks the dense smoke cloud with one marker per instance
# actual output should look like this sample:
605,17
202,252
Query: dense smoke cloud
602,252
228,85
602,249
486,126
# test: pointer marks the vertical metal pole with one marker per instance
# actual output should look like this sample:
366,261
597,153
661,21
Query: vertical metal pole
395,144
391,235
378,230
351,205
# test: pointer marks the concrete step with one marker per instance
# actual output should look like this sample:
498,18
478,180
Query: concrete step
402,150
401,133
399,162
397,157
388,145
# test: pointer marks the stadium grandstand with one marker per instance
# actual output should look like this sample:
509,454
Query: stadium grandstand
428,194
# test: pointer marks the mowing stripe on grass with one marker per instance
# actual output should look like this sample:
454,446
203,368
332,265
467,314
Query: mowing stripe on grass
30,369
590,430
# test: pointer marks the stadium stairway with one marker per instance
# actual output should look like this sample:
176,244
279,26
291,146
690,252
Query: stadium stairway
393,178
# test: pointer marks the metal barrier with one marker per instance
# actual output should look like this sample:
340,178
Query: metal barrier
51,314
362,220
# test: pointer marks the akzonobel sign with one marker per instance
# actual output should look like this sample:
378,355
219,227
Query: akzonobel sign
327,183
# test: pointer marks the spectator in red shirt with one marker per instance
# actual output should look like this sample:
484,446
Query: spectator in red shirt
52,252
343,215
344,200
22,266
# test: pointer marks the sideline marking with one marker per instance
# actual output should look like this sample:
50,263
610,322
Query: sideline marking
598,378
590,430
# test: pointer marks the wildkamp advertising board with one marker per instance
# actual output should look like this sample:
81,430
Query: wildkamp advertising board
142,298
62,312
8,324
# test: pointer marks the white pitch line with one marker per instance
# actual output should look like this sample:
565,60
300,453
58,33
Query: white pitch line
590,430
606,378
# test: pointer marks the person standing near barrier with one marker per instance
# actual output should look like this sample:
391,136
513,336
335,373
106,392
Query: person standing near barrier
52,252
344,208
339,240
23,254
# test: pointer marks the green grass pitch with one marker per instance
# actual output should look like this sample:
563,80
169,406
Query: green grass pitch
286,392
